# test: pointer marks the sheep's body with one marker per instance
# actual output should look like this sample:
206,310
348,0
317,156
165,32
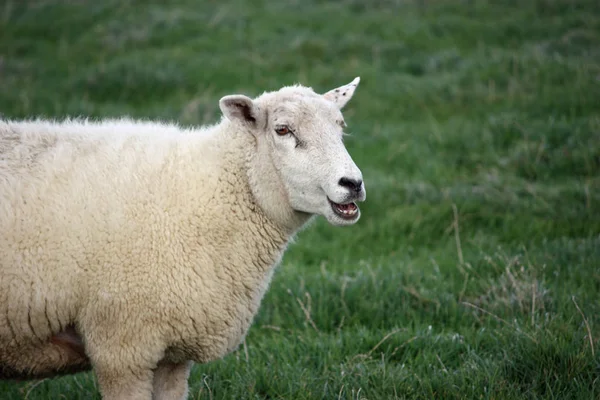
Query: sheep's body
132,247
151,217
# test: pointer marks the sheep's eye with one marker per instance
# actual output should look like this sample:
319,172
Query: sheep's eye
282,130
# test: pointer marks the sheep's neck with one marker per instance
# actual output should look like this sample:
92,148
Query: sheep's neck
248,200
251,206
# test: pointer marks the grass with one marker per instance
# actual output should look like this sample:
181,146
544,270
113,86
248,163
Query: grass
474,272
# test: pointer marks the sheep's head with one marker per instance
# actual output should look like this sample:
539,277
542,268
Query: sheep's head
300,133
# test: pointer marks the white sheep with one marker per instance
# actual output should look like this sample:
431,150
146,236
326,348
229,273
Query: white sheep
135,248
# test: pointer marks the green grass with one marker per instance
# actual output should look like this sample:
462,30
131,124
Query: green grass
474,272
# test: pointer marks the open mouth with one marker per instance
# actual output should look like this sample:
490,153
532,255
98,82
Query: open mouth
346,211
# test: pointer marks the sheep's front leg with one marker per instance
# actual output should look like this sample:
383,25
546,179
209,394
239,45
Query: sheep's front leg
124,370
171,381
124,383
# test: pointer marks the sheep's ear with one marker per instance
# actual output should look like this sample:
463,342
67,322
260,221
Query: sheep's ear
237,106
340,96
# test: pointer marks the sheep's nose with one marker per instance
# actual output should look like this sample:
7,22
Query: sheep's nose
354,185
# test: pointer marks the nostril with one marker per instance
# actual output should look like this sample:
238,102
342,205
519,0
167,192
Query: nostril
351,184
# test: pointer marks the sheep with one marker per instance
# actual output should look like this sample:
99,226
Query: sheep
135,248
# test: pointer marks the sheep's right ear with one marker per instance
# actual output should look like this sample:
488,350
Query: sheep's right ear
240,107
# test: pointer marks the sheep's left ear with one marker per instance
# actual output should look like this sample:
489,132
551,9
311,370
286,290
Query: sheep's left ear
341,95
240,107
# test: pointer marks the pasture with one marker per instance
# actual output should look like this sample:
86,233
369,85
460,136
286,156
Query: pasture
474,272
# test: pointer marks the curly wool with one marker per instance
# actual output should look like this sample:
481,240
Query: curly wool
175,254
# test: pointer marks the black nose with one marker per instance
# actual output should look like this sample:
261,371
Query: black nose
352,184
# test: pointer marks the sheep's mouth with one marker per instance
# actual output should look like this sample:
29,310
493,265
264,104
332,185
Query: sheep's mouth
346,211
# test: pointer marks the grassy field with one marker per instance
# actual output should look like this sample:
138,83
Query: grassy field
474,272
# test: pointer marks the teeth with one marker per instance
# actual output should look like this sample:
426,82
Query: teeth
348,212
347,209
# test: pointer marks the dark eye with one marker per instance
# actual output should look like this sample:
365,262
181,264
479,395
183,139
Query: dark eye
282,130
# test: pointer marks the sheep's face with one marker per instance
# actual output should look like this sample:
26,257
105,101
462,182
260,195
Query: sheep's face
300,133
